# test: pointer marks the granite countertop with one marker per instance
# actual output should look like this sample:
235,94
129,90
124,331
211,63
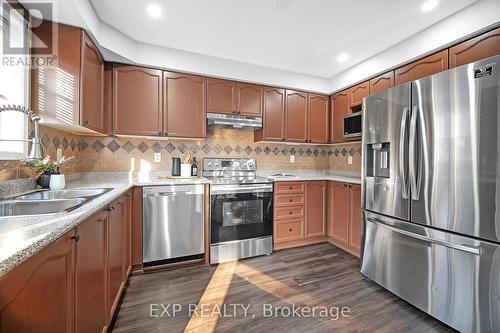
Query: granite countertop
22,237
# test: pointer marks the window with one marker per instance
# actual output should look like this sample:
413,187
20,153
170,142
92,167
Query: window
14,86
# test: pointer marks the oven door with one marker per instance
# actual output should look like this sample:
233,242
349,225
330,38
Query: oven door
240,212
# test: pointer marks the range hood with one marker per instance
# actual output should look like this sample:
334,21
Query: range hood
215,120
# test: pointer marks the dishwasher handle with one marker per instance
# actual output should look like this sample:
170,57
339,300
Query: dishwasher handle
173,190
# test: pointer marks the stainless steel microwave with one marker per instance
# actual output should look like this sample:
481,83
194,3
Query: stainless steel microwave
352,125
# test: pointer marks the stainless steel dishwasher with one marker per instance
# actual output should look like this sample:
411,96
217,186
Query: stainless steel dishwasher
172,222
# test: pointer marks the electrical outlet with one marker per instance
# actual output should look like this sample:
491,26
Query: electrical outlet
157,157
349,159
292,158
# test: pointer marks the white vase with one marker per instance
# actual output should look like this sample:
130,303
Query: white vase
185,170
57,182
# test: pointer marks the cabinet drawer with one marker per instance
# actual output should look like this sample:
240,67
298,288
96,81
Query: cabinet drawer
288,230
285,200
285,213
288,187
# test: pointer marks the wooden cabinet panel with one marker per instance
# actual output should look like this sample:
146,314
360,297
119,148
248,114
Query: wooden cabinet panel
185,105
285,213
296,116
137,228
480,47
288,187
339,109
355,218
432,64
273,127
37,296
221,96
91,274
318,119
285,200
338,213
316,193
357,93
382,82
249,99
137,100
115,253
288,230
92,86
127,219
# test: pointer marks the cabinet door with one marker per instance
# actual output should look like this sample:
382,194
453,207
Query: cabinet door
382,82
432,64
37,296
127,218
249,99
339,109
296,116
115,253
355,219
91,275
185,105
92,86
316,193
273,126
338,213
318,119
137,100
357,93
221,96
480,47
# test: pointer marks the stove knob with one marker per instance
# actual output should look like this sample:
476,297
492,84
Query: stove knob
251,164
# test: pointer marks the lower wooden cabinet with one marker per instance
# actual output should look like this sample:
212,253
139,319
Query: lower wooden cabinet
316,193
344,216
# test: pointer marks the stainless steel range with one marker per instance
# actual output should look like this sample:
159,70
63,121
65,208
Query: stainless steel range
241,210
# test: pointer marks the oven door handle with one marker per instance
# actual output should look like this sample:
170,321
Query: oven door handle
230,189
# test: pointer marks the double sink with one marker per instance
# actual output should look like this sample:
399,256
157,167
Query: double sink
48,201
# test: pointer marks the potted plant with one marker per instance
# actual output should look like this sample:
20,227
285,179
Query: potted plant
45,167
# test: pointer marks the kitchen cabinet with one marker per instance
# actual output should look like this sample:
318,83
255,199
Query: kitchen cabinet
79,69
480,47
115,254
356,95
137,100
344,216
296,116
316,193
221,96
185,105
339,109
127,222
429,65
318,119
249,98
273,126
38,295
91,274
382,82
137,228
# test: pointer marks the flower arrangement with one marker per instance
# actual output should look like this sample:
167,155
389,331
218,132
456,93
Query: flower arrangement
45,165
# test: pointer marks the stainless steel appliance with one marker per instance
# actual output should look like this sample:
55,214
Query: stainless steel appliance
352,125
172,220
217,120
241,210
431,188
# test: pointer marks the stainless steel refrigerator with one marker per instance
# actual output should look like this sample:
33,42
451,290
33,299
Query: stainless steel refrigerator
431,194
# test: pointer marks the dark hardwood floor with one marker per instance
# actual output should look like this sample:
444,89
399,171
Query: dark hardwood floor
313,276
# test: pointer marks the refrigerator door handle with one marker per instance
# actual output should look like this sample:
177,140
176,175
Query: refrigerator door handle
414,184
402,167
460,247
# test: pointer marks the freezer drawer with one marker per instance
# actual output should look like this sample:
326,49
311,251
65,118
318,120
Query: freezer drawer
453,278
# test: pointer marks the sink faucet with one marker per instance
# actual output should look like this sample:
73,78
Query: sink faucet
36,147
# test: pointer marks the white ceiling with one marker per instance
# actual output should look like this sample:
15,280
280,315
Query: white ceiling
304,38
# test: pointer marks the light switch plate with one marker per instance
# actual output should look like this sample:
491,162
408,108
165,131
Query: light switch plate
349,159
157,157
292,158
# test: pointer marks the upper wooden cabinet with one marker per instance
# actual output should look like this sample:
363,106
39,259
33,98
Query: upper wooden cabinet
339,109
316,195
480,47
221,96
37,296
296,116
357,93
318,119
382,82
273,126
185,105
432,64
249,98
137,100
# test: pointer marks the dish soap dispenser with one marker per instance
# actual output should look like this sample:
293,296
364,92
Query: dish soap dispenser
194,168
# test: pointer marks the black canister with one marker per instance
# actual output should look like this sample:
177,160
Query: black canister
176,166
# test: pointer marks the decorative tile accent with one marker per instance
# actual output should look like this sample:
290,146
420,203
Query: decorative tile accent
45,140
276,150
72,144
352,151
128,147
323,152
284,151
217,149
237,150
228,149
301,152
97,145
142,147
316,153
248,150
330,153
170,148
267,150
293,151
194,148
113,146
337,152
206,148
82,145
258,150
344,152
182,148
308,152
65,143
56,142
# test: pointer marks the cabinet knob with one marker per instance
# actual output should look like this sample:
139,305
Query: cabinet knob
291,213
76,238
290,230
290,188
85,122
291,200
108,210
